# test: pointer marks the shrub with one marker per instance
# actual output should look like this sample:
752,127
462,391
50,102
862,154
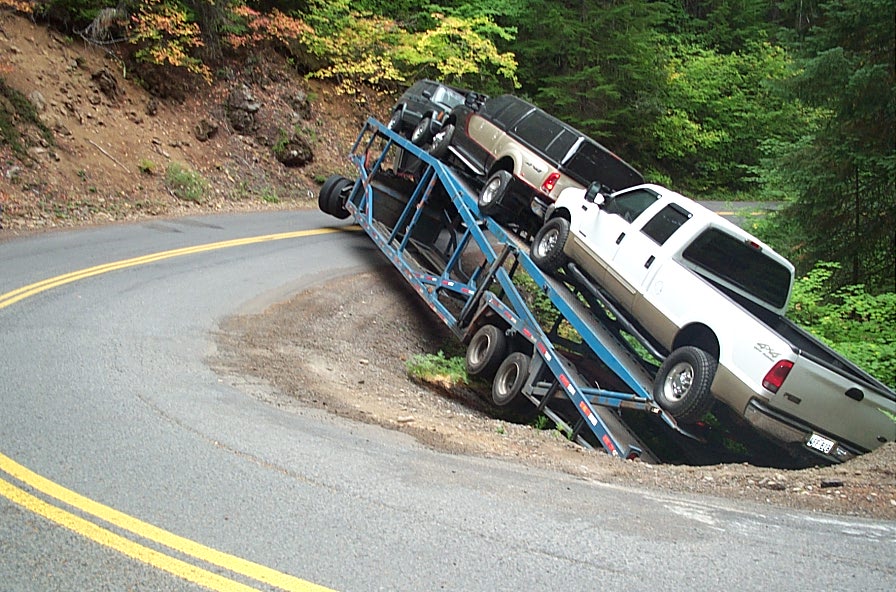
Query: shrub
185,183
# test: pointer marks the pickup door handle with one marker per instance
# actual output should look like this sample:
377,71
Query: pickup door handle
649,262
621,236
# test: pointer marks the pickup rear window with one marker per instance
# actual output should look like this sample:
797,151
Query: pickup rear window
742,265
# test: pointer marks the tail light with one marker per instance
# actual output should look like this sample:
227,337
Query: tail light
550,182
776,376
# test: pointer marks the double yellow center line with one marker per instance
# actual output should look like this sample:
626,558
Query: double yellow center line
85,506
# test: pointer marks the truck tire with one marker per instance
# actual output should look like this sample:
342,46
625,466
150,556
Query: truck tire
323,195
421,134
493,192
682,385
336,200
547,246
486,351
507,387
441,141
395,123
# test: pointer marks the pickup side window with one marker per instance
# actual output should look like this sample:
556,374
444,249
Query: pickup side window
740,264
666,222
631,204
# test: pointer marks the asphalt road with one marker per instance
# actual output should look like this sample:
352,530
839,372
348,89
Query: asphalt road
127,464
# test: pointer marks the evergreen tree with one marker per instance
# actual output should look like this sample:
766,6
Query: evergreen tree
844,173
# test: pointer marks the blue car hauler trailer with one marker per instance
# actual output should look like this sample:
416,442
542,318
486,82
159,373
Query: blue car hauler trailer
469,270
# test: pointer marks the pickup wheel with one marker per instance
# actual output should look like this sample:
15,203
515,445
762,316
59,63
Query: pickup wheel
441,141
493,192
507,388
421,135
323,195
486,351
682,383
336,202
547,246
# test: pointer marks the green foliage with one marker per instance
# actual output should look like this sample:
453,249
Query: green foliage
438,368
843,170
185,183
17,114
859,325
719,110
146,166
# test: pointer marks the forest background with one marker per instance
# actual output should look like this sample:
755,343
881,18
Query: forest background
792,101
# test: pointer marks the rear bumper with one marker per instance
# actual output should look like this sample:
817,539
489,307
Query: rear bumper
792,432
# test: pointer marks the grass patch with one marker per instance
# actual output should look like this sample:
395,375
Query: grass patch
438,369
185,183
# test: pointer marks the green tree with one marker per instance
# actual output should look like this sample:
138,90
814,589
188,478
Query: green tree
843,172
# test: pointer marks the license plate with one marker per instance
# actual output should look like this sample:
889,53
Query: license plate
820,443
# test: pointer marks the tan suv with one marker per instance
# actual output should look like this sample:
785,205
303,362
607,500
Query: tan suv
525,157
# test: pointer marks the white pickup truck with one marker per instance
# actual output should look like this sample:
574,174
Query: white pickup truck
710,298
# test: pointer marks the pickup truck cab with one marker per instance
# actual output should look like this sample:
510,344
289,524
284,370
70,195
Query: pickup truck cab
526,157
711,299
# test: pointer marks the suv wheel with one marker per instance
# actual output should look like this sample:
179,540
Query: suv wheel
493,193
441,141
421,135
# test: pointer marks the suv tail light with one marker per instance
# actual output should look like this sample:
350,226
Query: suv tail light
776,376
550,182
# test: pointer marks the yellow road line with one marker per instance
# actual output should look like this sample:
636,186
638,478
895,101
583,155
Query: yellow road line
153,533
121,520
36,288
125,546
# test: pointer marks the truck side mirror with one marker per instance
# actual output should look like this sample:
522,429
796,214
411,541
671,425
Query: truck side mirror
594,195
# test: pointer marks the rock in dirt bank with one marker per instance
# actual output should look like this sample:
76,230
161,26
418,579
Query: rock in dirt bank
348,356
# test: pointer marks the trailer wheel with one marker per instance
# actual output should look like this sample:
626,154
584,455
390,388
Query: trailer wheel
547,246
421,134
336,202
493,192
486,351
682,385
441,141
323,195
507,387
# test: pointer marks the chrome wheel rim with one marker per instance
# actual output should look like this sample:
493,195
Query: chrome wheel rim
678,381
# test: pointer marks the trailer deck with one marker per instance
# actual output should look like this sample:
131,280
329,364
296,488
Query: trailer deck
472,272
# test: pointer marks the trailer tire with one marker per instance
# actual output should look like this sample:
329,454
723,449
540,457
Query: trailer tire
336,203
441,141
323,195
421,134
486,351
547,246
507,387
493,193
682,385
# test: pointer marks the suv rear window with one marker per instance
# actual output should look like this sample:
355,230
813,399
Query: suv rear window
740,264
592,162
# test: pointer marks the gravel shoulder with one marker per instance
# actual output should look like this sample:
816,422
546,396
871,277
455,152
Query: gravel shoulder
318,351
